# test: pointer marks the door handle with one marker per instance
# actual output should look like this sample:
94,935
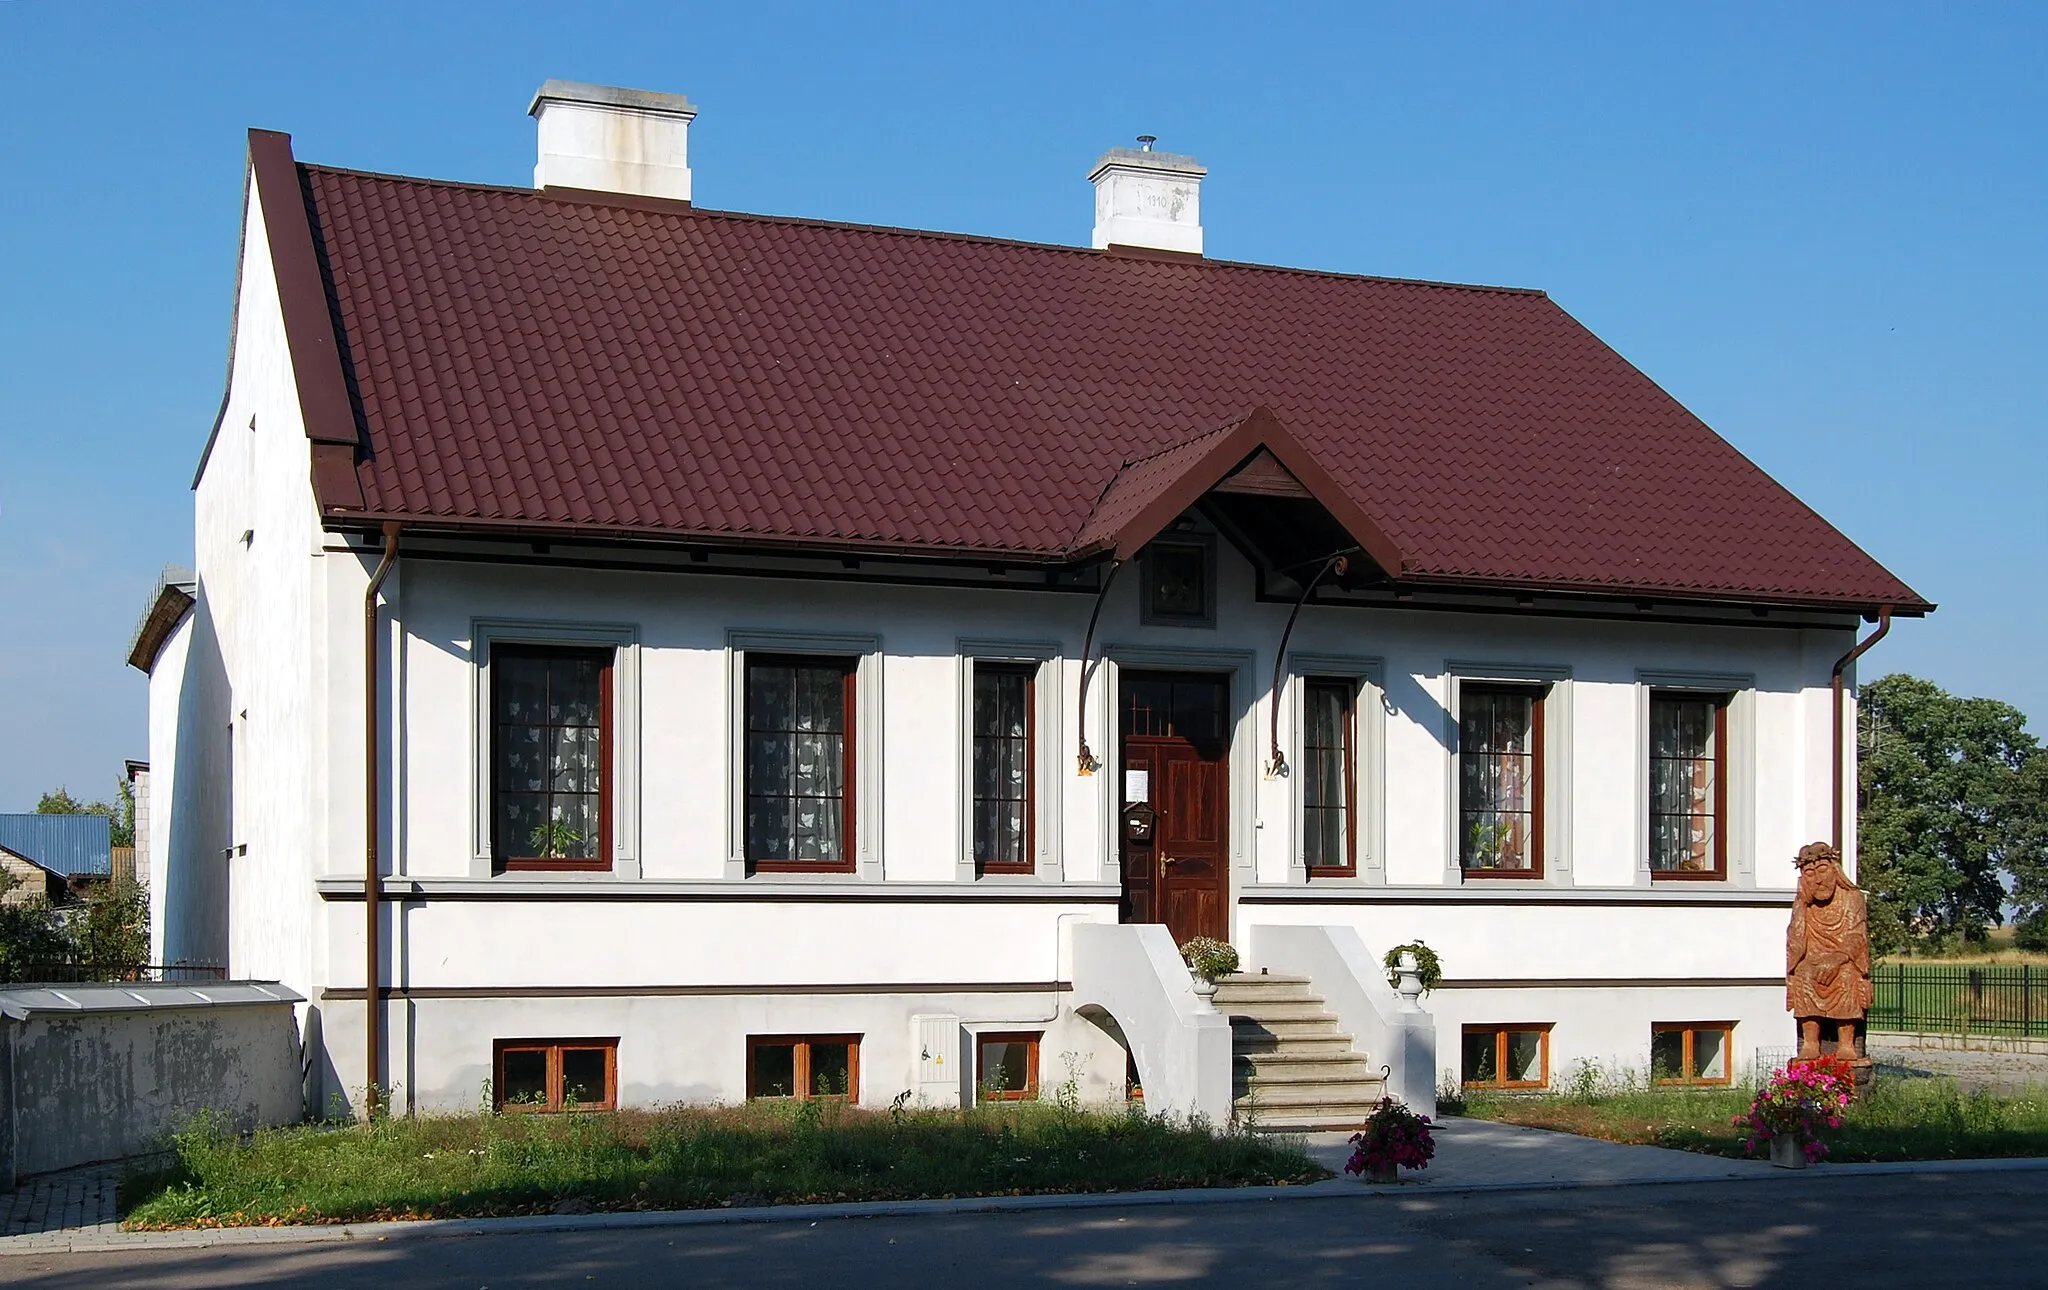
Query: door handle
1169,860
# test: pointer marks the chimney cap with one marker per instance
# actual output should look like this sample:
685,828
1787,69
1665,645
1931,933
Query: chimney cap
1147,159
611,96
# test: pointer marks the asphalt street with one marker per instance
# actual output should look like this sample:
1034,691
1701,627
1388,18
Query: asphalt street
1984,1229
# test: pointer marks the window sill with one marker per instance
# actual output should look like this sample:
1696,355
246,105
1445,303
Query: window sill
1688,875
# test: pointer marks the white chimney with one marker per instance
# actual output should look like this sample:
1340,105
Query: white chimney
1148,199
613,140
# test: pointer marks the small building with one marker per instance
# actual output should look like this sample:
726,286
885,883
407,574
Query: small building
78,848
643,652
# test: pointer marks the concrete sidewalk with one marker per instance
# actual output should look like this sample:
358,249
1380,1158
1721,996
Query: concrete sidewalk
1473,1156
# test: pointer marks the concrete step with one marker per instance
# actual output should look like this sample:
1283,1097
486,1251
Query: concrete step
1268,1030
1354,1087
1237,988
1278,1010
1283,1066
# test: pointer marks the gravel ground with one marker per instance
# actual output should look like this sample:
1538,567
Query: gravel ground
1973,1069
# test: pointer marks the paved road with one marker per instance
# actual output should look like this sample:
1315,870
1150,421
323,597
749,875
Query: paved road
1984,1229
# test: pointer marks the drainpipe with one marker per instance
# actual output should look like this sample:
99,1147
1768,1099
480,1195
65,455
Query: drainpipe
373,932
1884,624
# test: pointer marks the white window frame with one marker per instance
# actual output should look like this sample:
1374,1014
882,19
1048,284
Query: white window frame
866,651
1557,765
1368,743
1738,760
1047,754
624,639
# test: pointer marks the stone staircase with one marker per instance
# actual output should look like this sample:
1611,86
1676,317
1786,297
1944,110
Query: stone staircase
1292,1068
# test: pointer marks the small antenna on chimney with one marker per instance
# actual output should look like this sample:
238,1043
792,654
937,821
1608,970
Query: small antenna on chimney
1145,142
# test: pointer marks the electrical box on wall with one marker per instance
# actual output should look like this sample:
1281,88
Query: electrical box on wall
935,1041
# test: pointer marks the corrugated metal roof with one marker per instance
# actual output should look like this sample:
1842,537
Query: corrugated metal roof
69,844
25,1001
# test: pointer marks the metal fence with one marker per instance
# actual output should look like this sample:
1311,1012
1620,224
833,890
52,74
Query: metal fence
76,973
2003,999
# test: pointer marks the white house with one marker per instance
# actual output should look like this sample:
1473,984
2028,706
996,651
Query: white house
675,654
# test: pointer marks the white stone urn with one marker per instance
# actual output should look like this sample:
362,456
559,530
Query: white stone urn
1205,994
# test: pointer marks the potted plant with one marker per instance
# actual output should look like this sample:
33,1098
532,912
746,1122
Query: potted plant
1210,960
1428,966
1394,1138
1790,1112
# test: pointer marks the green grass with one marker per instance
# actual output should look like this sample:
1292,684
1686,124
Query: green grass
1895,1120
684,1158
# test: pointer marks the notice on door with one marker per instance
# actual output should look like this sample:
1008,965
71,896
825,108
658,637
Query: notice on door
1137,786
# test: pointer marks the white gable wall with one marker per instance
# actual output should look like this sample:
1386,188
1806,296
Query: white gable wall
252,719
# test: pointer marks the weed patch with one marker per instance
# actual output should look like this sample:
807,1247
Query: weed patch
683,1158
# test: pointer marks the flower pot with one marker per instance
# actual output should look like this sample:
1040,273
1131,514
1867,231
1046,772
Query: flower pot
1205,995
1787,1151
1383,1174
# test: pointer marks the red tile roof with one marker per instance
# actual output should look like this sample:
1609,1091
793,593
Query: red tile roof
529,359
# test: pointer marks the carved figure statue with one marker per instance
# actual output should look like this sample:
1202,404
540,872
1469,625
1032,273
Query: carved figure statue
1827,953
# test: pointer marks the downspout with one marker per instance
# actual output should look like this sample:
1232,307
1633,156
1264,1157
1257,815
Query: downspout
1087,762
1341,563
1884,624
373,932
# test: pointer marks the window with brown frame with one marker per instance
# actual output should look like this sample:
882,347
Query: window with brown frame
1006,1066
803,1067
1004,753
556,1074
1500,780
1507,1056
1692,1052
1688,785
551,757
1329,823
799,764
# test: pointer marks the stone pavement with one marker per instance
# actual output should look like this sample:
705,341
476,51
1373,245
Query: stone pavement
1482,1154
72,1203
2002,1066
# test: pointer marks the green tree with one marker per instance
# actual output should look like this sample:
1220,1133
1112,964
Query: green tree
1952,812
120,812
29,932
109,931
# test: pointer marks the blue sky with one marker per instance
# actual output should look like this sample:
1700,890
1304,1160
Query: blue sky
1822,228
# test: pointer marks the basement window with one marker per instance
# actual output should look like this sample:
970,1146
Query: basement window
1006,1067
803,1068
1507,1056
556,1075
1692,1052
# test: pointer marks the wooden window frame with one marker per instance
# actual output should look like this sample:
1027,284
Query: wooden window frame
1539,785
602,862
849,788
1690,1029
554,1049
1029,1038
1029,863
802,1071
1350,687
1719,873
1500,1034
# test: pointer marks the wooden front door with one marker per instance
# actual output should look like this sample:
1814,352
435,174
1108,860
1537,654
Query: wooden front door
1175,821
